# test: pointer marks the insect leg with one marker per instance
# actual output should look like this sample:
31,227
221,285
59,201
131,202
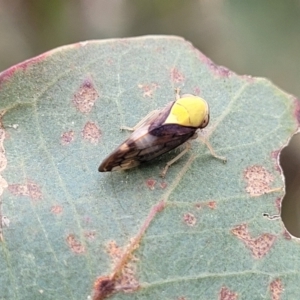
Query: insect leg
171,162
212,151
143,121
177,93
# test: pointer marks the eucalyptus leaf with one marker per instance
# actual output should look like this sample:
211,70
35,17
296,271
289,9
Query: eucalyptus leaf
64,224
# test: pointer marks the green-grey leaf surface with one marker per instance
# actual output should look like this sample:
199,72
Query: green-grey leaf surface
56,199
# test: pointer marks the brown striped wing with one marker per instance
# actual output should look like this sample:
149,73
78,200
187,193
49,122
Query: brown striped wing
146,143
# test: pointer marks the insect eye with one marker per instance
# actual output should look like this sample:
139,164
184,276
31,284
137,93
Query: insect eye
205,121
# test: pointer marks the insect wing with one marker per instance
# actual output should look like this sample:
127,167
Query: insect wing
124,156
143,146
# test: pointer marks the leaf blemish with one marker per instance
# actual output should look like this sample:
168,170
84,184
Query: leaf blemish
125,280
104,287
276,289
258,180
148,89
91,132
122,278
86,96
56,209
67,137
90,235
177,76
210,204
259,246
74,244
150,183
29,189
227,294
189,219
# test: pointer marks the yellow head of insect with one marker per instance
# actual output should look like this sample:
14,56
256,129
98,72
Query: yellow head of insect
189,111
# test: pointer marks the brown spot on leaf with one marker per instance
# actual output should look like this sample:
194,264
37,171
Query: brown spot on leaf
150,183
74,244
56,209
90,235
148,89
122,278
124,281
91,132
104,287
276,289
114,251
189,219
84,99
227,294
29,189
258,180
67,137
176,76
212,204
198,206
259,246
241,232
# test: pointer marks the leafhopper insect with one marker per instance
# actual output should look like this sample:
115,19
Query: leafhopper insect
161,131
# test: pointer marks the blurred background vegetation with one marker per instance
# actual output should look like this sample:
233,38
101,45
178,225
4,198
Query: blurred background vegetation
257,38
